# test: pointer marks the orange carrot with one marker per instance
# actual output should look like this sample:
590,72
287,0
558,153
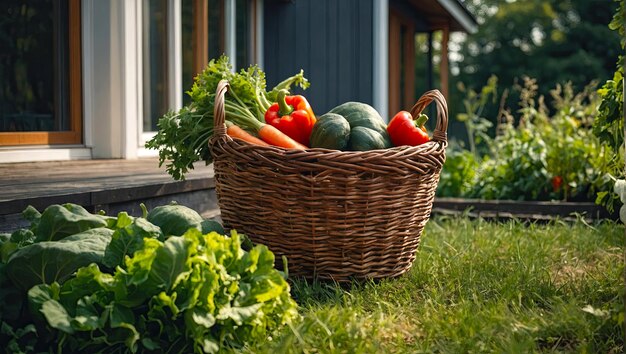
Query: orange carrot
236,132
273,136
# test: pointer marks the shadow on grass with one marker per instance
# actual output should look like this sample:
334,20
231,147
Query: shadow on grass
316,292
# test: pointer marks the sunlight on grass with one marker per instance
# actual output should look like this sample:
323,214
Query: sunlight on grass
476,286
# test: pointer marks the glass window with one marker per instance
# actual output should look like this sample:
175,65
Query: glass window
202,35
243,33
155,63
215,28
188,34
34,61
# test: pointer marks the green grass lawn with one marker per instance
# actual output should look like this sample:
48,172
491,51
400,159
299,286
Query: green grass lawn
476,287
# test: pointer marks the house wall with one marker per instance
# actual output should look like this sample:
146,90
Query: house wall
103,92
332,41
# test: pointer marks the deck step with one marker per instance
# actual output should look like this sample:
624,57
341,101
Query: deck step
108,185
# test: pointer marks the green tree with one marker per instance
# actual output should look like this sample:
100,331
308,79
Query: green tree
553,41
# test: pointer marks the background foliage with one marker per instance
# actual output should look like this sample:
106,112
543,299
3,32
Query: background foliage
552,41
535,155
552,134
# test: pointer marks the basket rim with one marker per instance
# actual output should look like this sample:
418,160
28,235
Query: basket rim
439,134
437,145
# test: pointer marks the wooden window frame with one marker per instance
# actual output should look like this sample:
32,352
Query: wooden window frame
74,135
200,35
401,98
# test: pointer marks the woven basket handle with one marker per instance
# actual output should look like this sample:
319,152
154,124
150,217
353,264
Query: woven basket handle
440,134
219,111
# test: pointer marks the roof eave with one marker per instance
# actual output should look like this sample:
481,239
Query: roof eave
460,14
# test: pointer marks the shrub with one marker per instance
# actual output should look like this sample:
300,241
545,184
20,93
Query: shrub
545,153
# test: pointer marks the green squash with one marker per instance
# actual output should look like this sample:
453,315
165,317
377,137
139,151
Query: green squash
365,139
331,131
368,131
360,114
208,226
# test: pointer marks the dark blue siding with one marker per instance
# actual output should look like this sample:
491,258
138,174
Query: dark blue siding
331,40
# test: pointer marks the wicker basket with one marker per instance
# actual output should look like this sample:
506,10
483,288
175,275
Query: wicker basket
337,215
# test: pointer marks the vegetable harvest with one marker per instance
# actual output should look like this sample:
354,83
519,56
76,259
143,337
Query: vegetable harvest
273,118
242,116
129,286
182,136
293,116
236,132
404,130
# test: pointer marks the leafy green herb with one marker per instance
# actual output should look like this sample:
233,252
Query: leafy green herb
182,138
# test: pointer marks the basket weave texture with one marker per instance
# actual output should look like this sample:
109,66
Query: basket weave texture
336,215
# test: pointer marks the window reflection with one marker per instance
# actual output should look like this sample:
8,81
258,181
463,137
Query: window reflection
243,11
34,66
155,62
210,41
187,33
199,32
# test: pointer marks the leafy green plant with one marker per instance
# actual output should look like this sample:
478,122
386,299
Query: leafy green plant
182,137
571,148
129,236
543,153
59,221
59,241
47,262
518,171
457,177
126,286
609,123
195,293
575,155
474,103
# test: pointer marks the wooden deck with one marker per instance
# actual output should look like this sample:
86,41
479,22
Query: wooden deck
109,185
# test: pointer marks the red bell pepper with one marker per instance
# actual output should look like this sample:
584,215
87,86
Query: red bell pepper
404,130
556,183
293,116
